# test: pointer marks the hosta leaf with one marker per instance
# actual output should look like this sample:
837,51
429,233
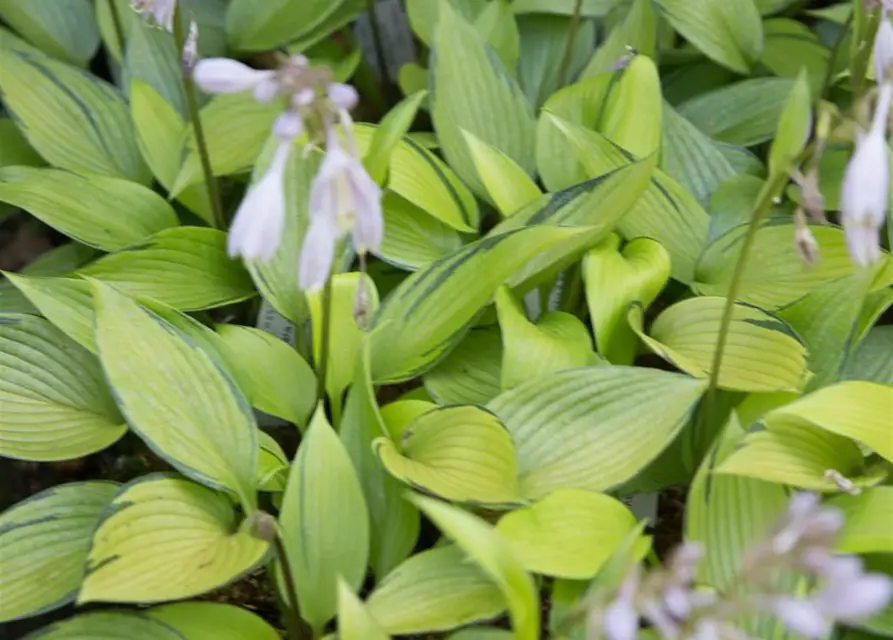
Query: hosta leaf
866,527
151,56
393,521
505,183
273,376
460,453
412,237
873,359
213,621
762,353
790,47
472,90
492,553
56,405
613,280
425,316
472,372
388,135
729,33
637,30
435,590
325,524
794,126
556,341
257,28
159,131
107,625
481,633
397,416
204,427
565,426
354,621
631,116
15,149
272,464
45,542
74,120
108,213
185,267
166,538
568,534
65,30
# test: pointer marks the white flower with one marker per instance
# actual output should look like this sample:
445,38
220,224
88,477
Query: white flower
803,617
222,75
257,226
317,254
883,48
865,194
621,620
161,11
343,96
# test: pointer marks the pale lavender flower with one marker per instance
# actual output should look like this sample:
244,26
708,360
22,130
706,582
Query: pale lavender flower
883,48
621,619
160,11
189,56
806,524
222,75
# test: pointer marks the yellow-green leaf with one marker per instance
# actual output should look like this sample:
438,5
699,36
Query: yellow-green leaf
794,126
505,183
272,464
213,621
638,30
354,620
412,237
389,133
195,416
867,518
45,540
167,538
66,29
472,372
107,624
159,131
632,110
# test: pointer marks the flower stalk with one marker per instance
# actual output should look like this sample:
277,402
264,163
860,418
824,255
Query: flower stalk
322,366
571,40
297,628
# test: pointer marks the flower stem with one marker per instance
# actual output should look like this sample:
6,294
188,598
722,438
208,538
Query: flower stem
118,26
194,117
835,54
297,629
326,320
571,40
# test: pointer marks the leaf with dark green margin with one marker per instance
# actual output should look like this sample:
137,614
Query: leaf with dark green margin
213,621
107,624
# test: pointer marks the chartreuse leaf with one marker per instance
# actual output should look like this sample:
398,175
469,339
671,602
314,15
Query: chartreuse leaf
107,624
632,110
460,453
397,416
854,409
213,621
203,427
167,538
637,30
429,311
65,30
492,553
66,302
505,183
108,213
273,376
389,133
794,126
56,406
325,523
556,341
762,352
412,237
435,590
159,131
873,359
184,267
569,534
774,274
45,542
74,120
472,372
472,90
393,521
564,426
613,280
354,620
867,517
792,451
731,33
257,28
272,464
344,334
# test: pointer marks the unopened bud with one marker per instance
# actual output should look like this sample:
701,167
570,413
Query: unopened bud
623,61
262,526
811,195
362,305
883,48
843,483
190,50
807,246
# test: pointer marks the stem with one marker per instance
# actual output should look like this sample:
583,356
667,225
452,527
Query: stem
860,62
297,629
118,25
194,117
571,40
835,52
326,319
377,42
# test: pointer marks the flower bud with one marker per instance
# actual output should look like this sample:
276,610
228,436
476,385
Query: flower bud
883,49
262,526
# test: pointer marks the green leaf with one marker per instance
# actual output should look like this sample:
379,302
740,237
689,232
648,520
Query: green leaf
325,524
496,23
253,27
273,376
427,314
389,133
435,590
472,90
151,56
108,213
213,621
58,261
74,120
637,30
505,183
412,237
65,30
568,534
272,464
166,538
866,527
873,359
530,350
461,453
790,47
393,521
107,624
159,131
45,542
774,275
472,372
397,416
744,113
794,126
66,302
354,621
731,33
482,633
195,417
857,410
565,426
345,335
184,267
762,353
631,116
613,280
56,406
492,553
14,148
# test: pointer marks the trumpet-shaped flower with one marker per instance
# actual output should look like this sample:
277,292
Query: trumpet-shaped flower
160,11
883,48
222,75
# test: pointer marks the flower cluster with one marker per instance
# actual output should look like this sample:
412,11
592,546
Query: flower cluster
800,544
343,198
